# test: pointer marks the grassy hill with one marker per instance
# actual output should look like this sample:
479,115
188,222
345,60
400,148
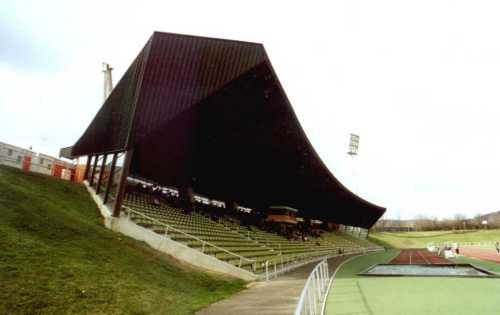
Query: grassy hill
421,239
57,258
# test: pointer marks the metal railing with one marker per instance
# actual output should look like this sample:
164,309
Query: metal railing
314,290
271,268
479,243
282,265
204,244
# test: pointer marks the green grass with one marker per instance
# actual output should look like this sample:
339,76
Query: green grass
488,265
421,239
358,264
57,258
353,294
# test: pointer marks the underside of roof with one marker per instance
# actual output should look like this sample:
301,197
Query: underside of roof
211,114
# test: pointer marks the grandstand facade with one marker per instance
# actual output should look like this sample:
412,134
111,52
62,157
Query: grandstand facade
198,141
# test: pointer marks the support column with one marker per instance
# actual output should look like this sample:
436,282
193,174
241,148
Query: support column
87,168
186,196
120,194
91,182
111,178
101,174
231,206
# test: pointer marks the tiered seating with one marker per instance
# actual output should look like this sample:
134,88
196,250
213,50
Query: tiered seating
201,228
232,241
286,248
345,240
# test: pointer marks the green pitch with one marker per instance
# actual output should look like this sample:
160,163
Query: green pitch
352,294
421,239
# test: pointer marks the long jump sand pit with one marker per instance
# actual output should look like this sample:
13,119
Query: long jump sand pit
420,262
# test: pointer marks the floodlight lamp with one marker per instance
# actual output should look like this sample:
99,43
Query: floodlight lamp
353,145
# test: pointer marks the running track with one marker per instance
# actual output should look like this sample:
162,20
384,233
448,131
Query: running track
418,257
482,253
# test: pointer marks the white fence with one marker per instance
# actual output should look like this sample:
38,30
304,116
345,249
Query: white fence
314,291
461,244
275,267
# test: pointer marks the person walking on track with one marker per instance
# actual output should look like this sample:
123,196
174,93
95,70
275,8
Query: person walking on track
497,247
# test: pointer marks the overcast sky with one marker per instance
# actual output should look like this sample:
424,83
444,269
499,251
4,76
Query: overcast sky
419,81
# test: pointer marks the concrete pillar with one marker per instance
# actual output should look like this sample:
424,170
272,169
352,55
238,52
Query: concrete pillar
187,201
87,168
111,178
120,194
96,157
101,174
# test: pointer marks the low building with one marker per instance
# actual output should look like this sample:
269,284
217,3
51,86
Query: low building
13,156
30,161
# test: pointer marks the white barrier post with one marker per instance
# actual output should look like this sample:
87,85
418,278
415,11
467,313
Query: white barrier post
267,270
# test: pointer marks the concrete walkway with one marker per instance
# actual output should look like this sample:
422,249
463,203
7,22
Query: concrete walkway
277,296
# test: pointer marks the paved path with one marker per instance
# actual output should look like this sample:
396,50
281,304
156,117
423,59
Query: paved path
277,296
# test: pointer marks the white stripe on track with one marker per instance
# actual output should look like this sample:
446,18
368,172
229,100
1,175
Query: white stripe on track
426,261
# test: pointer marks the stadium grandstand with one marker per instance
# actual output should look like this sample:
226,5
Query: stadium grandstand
198,152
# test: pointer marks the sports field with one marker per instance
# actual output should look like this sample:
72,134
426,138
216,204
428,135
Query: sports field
420,256
353,294
481,252
421,239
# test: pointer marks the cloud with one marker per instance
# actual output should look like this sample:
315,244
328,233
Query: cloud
418,82
20,49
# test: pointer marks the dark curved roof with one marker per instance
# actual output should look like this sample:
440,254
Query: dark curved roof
211,114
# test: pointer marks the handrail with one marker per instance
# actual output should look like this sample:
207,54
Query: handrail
290,263
314,290
478,243
273,261
325,252
203,242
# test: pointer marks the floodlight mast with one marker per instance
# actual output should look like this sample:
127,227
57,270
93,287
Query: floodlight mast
108,80
353,151
353,145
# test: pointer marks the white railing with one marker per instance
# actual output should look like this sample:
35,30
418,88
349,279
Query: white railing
272,268
204,244
314,290
281,265
461,244
479,244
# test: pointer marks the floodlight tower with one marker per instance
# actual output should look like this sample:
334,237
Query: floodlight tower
353,151
353,145
108,80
